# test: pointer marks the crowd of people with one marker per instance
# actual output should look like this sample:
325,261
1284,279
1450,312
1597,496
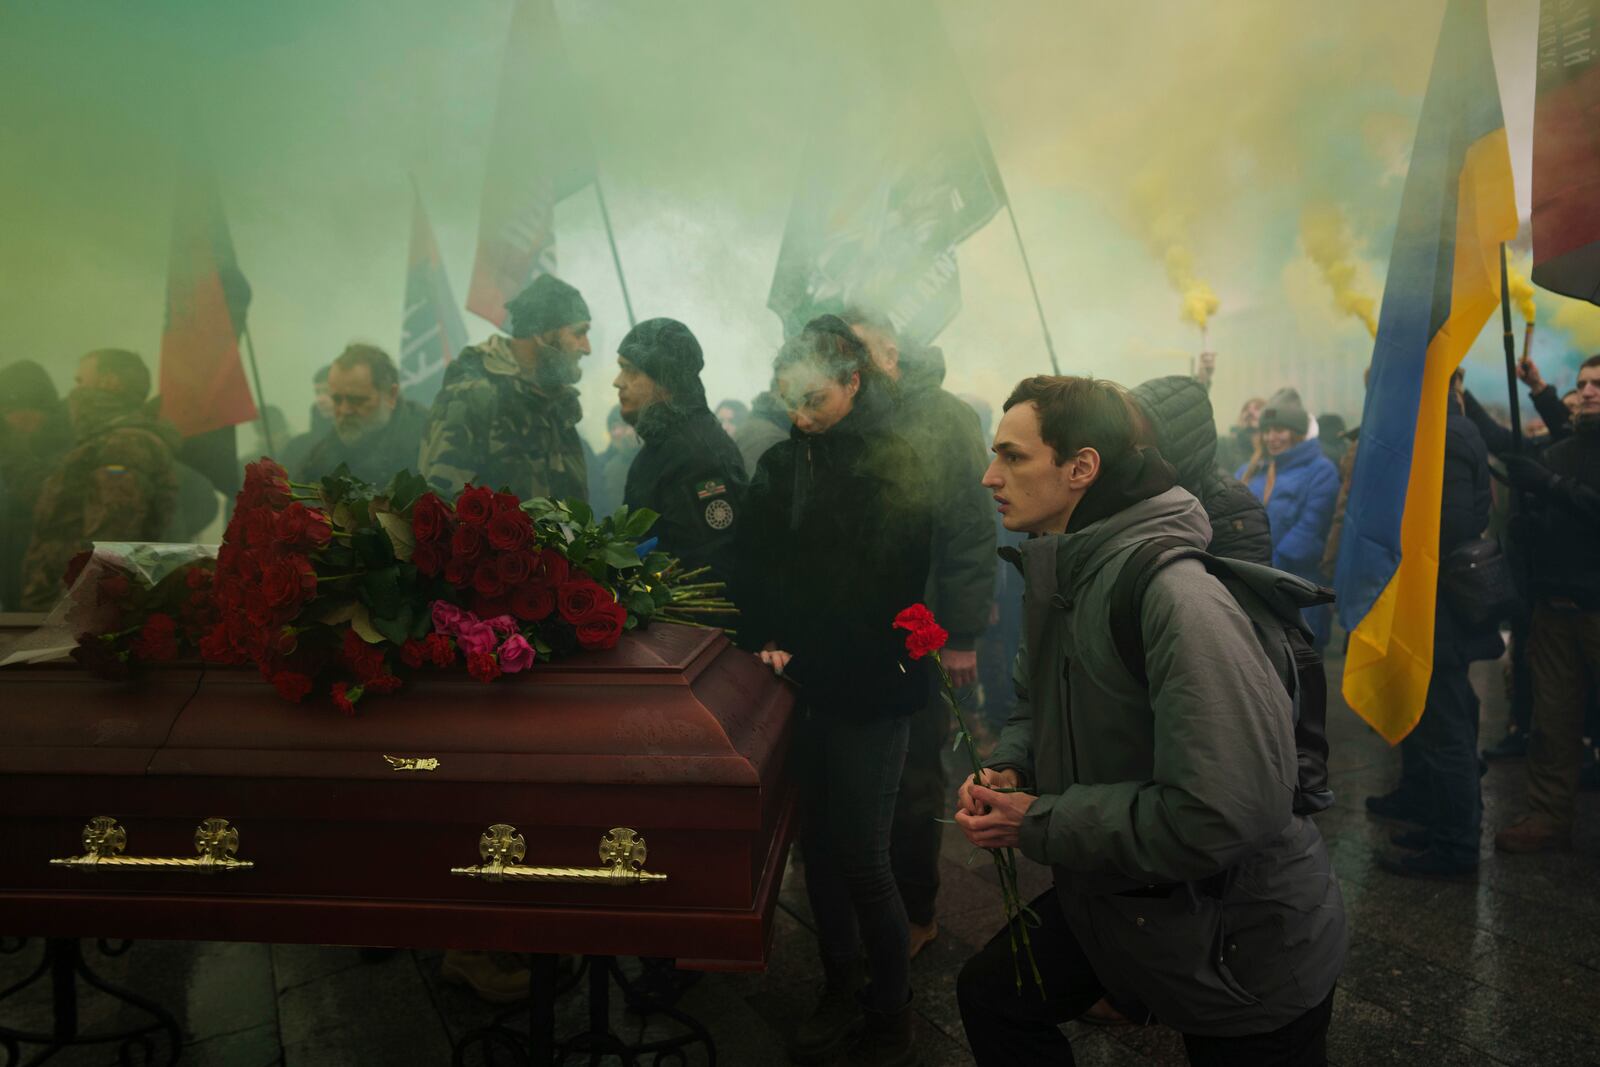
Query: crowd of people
1191,887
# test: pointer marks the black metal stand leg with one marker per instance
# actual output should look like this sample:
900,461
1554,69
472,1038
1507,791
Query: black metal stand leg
595,1042
63,961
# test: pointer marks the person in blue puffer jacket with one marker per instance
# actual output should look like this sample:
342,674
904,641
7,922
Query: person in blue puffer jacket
1299,486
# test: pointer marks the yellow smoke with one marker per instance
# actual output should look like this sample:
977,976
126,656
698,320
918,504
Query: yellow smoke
1162,221
1580,321
1522,293
1327,243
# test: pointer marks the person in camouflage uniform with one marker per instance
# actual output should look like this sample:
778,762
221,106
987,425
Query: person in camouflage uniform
116,484
34,435
507,414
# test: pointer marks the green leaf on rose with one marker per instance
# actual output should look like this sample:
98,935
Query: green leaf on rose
639,524
621,556
372,547
404,489
395,628
401,539
381,590
361,623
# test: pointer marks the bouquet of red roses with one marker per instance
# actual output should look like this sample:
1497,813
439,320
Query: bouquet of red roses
341,585
925,637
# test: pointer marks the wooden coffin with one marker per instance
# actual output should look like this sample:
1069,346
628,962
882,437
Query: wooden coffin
674,735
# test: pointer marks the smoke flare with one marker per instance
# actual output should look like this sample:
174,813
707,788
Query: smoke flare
1327,243
1522,294
1163,223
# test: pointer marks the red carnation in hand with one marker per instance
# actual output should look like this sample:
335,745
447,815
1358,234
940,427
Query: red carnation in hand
925,634
291,685
430,519
475,505
602,627
482,666
579,597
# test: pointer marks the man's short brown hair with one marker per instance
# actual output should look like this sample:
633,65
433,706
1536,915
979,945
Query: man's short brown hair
375,359
1078,413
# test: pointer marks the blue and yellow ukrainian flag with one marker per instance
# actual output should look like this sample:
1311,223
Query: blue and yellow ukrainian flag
1444,281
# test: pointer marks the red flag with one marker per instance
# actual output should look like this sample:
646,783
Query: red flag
1566,150
203,384
540,155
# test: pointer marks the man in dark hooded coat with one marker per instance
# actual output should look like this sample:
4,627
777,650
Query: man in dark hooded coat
1179,411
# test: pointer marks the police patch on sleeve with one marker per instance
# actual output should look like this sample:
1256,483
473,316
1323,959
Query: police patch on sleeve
719,514
707,490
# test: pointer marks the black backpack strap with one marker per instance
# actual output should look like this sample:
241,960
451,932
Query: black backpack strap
1127,597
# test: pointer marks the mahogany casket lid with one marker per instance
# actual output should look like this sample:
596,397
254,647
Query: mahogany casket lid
669,705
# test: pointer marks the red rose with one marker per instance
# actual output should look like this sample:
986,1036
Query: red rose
487,607
486,579
578,598
158,639
414,653
429,557
441,650
458,572
555,566
302,527
265,483
287,583
510,530
602,628
345,696
467,543
291,685
260,528
430,518
515,568
475,505
482,666
533,601
507,502
197,578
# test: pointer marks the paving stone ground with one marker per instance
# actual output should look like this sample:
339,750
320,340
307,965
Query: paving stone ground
1504,971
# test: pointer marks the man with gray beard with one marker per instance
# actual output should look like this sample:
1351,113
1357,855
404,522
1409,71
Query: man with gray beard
375,433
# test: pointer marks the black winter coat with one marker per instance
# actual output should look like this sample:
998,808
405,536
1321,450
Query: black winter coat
948,439
1179,411
375,458
1465,502
689,471
833,544
1566,565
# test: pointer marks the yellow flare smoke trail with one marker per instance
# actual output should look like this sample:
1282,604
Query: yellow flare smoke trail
1327,242
1522,293
1199,302
1580,321
1160,216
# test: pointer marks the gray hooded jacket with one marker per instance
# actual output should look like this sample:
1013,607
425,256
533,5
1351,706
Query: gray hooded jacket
1180,793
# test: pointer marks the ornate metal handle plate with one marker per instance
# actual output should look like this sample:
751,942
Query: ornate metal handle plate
215,842
622,853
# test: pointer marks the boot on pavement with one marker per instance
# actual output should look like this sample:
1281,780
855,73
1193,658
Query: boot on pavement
885,1040
836,1018
1534,833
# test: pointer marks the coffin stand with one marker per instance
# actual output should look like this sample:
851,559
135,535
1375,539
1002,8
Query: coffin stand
635,802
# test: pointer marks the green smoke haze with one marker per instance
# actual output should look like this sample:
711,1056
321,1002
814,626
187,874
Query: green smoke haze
1216,124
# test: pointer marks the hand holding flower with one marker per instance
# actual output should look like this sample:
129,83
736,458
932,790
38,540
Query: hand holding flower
1001,824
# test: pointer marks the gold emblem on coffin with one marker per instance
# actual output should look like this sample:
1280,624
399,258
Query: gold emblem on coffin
215,843
622,851
413,763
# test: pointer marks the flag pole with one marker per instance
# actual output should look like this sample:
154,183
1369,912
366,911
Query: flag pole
1049,345
261,398
1511,354
622,280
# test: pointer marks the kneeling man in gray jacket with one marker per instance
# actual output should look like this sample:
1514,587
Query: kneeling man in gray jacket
1183,878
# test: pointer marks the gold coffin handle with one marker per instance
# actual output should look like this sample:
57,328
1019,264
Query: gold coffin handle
215,842
622,851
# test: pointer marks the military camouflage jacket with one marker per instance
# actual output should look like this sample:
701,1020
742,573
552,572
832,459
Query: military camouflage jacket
491,426
117,484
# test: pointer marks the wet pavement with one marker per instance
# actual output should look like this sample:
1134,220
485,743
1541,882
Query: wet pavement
1503,971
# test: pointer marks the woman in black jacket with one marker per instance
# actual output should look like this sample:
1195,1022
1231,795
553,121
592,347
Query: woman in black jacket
834,543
